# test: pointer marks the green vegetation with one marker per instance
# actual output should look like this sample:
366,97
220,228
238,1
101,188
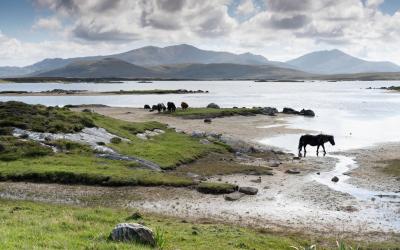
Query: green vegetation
28,225
41,119
216,188
168,150
201,113
221,164
13,149
26,160
395,88
392,167
78,166
32,225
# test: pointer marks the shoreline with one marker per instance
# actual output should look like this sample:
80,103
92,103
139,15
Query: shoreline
103,93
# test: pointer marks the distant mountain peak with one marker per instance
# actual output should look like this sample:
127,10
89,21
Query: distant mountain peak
338,62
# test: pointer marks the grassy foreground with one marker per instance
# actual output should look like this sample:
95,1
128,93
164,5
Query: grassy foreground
32,225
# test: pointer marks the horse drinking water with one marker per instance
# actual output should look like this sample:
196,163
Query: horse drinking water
315,140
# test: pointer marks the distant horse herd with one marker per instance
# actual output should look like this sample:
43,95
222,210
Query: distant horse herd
160,107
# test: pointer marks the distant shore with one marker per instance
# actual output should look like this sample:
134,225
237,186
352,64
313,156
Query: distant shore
374,76
62,92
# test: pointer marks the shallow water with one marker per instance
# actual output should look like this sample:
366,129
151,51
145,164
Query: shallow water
346,164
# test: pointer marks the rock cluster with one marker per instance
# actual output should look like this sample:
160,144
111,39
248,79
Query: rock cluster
148,134
303,112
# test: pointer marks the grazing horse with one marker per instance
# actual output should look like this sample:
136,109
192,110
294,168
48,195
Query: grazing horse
315,140
184,105
171,107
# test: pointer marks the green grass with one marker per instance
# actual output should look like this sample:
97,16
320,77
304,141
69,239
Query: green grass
25,160
216,188
392,167
201,113
12,149
41,119
33,225
221,164
168,150
71,168
28,225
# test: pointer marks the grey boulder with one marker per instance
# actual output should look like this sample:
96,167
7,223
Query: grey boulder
307,112
133,232
213,106
233,196
248,190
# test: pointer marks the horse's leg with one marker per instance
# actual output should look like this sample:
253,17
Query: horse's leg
323,147
317,150
305,151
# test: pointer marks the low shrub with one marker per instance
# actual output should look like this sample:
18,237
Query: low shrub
115,140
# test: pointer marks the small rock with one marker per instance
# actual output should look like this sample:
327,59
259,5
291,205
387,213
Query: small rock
296,158
290,111
205,141
248,190
198,134
307,112
275,165
256,180
141,136
133,232
318,173
350,209
213,106
292,171
207,120
233,196
335,179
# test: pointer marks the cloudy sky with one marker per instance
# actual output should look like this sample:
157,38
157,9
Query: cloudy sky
31,30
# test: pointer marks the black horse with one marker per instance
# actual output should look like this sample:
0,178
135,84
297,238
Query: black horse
315,140
171,107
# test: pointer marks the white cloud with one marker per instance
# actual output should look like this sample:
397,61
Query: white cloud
51,23
246,7
285,29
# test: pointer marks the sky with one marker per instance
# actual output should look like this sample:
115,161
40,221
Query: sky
32,30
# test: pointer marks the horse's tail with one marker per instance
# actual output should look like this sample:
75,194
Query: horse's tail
300,142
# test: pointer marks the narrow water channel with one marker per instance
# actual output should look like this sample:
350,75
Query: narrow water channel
343,166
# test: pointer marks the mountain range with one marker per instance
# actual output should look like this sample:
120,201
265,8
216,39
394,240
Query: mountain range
188,62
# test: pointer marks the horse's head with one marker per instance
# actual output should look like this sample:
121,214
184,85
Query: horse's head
331,139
